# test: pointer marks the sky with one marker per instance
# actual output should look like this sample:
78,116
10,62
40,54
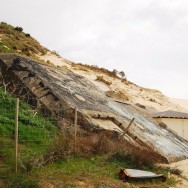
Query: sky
147,39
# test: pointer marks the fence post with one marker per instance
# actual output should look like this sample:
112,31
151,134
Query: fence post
126,130
75,131
16,135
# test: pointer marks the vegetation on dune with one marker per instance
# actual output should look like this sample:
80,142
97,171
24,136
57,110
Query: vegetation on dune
113,74
14,40
35,136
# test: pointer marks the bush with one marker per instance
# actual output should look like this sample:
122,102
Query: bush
3,23
137,157
87,144
20,29
27,35
122,74
176,171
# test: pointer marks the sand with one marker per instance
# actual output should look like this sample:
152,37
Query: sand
56,60
154,100
183,166
181,102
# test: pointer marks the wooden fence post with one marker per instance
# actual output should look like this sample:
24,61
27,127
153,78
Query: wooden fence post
75,129
16,135
126,130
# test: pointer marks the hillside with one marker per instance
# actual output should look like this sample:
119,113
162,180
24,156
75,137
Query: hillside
59,89
105,102
14,40
153,100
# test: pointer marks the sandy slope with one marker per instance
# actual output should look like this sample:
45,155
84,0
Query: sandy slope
153,100
56,60
183,166
181,102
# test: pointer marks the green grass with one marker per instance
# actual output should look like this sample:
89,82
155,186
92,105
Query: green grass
35,136
95,170
35,132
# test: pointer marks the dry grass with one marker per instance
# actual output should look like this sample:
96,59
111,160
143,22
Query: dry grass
14,40
119,94
96,69
101,79
91,144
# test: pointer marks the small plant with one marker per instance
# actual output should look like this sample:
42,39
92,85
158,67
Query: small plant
48,62
122,74
176,171
27,35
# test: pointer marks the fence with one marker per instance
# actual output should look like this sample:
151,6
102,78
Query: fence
26,131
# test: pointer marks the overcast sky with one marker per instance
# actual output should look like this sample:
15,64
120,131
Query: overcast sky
147,39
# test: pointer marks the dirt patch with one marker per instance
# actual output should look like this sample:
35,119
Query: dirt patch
119,94
183,179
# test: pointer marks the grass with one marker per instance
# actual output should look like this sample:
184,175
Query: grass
35,136
15,41
96,69
35,132
94,170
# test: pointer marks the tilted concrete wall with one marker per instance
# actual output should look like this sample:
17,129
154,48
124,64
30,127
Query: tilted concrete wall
58,89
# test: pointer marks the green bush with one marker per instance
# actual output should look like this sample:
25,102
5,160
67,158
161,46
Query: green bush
19,29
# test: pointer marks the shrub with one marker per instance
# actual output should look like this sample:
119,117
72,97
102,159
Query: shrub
137,157
176,171
3,23
27,35
87,144
20,29
14,48
122,74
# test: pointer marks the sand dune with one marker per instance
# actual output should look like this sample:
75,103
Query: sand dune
154,100
181,102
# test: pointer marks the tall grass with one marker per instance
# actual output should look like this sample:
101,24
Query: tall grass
35,132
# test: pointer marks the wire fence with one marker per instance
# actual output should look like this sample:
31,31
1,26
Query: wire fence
37,128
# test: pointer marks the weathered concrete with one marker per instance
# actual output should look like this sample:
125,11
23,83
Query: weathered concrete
58,89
